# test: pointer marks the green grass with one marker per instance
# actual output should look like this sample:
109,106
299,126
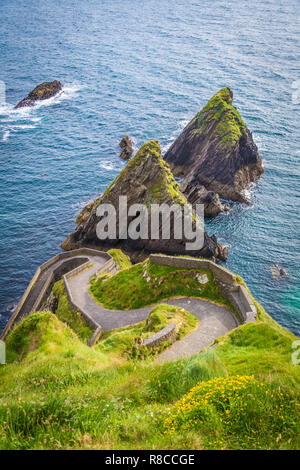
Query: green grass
69,315
117,342
237,412
57,393
120,258
146,284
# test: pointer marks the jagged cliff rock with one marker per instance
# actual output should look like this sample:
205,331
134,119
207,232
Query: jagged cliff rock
216,150
42,92
199,195
147,179
127,147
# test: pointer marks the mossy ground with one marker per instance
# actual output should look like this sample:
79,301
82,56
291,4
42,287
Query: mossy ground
145,284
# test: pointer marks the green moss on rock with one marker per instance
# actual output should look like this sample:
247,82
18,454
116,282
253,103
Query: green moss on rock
220,112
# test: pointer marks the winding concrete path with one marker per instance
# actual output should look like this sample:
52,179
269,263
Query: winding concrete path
215,320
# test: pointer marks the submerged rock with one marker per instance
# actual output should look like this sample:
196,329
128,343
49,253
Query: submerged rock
43,91
147,179
127,145
217,150
277,271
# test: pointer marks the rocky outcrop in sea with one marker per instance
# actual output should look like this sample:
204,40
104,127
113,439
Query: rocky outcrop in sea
43,91
127,147
216,151
147,179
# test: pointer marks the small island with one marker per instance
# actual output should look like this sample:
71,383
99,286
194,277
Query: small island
44,91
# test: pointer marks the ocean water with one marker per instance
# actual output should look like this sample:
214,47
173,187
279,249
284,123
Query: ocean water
144,68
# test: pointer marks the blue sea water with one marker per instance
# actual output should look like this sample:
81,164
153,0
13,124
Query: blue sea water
144,68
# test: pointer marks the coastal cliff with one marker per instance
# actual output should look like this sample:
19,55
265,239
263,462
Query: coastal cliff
216,150
147,179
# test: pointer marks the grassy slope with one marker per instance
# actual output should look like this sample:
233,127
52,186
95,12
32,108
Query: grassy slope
120,258
145,284
55,392
63,394
68,315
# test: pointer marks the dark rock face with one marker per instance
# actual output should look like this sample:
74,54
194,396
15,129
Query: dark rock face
216,150
147,179
127,145
42,92
198,194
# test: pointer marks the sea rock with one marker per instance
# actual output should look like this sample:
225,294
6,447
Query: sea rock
217,150
147,179
198,194
222,252
127,145
42,92
277,271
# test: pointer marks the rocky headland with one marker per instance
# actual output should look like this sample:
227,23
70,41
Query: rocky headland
43,91
215,152
147,179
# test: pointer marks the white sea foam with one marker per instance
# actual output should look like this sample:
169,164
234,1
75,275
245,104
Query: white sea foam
111,166
23,126
182,124
68,92
249,192
258,141
5,136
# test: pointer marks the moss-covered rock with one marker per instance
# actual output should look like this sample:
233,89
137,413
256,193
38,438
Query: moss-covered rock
216,150
147,179
43,91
